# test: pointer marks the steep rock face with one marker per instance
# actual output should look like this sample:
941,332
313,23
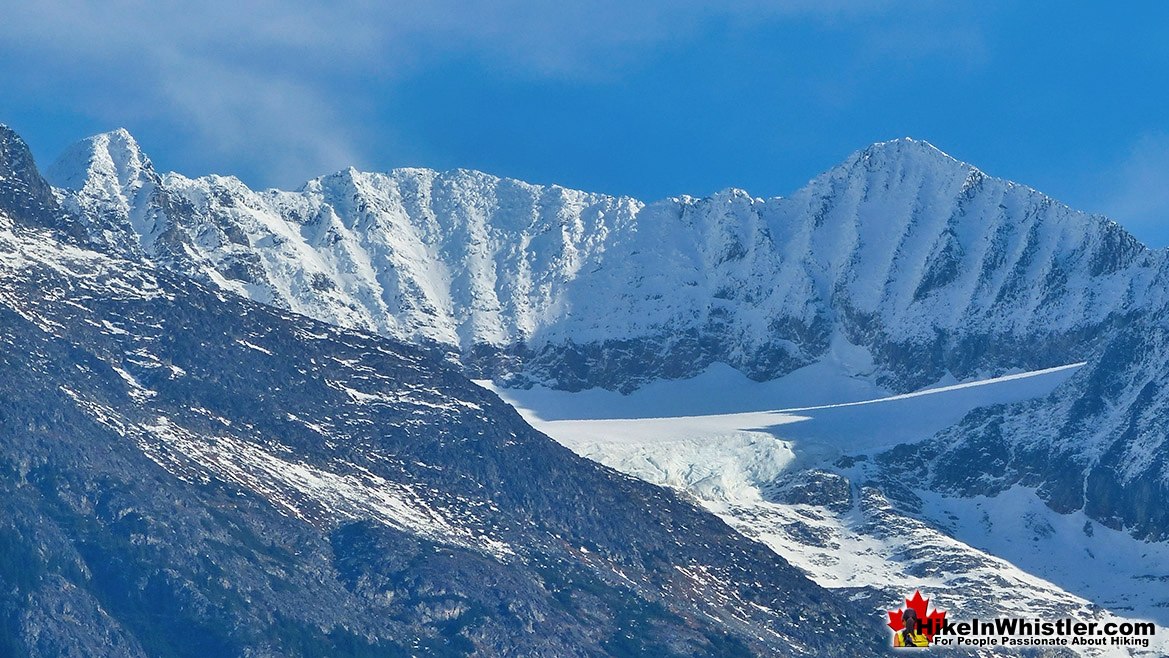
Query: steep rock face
23,193
187,473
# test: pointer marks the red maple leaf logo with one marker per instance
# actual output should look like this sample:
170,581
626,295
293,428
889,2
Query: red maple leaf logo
931,621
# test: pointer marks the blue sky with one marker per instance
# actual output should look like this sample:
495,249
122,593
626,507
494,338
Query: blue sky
643,98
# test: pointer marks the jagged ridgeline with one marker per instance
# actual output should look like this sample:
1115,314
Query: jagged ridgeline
927,263
184,472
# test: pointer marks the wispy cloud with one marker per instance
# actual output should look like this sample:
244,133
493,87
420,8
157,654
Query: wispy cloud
242,82
286,88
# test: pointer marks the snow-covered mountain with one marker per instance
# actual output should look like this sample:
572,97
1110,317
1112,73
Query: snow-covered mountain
932,267
902,265
184,472
928,262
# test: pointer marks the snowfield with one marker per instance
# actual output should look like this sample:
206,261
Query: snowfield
980,556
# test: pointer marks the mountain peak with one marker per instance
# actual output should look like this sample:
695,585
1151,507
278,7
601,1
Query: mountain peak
111,160
898,162
906,149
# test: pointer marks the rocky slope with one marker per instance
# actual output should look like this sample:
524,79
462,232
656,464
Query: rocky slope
188,473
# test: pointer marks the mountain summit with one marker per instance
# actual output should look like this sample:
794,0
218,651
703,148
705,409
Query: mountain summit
111,160
901,153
